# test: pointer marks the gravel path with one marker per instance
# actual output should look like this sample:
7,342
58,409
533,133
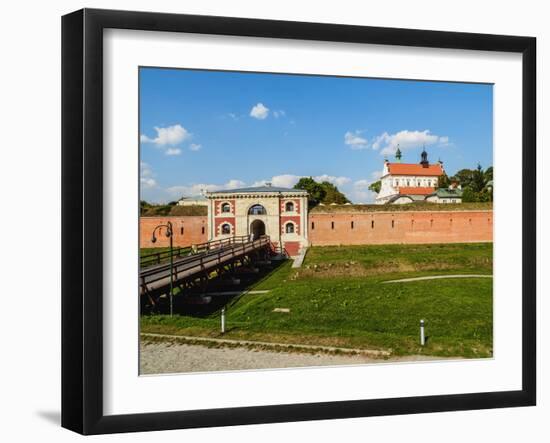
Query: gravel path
437,277
162,358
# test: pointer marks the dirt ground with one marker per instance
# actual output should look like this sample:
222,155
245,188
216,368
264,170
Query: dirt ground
164,358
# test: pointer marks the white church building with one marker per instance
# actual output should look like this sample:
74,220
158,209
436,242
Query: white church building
408,182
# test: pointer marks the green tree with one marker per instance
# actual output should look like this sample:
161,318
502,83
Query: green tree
478,180
375,186
332,194
488,174
315,190
443,181
469,196
324,192
464,177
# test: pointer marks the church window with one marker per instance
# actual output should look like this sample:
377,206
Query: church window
351,225
226,228
372,224
393,223
181,230
202,230
226,207
312,226
289,228
331,225
289,207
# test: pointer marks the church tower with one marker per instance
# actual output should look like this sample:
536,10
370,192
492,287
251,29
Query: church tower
398,155
424,158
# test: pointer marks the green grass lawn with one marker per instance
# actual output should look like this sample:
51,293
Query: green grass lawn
148,251
337,298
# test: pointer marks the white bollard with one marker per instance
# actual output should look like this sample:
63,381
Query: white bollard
422,337
223,320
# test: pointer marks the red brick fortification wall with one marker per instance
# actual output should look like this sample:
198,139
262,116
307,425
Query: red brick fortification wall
400,227
188,230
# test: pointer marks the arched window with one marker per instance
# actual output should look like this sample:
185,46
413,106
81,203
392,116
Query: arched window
226,207
257,210
289,228
226,228
289,207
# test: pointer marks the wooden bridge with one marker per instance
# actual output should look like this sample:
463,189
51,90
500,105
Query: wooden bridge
196,264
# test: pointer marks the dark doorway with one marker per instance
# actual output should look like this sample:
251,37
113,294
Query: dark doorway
257,229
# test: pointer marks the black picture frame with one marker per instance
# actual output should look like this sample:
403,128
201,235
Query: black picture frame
82,218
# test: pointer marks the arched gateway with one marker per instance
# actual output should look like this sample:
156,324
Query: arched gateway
264,210
257,229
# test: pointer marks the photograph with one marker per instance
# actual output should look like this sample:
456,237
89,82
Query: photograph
290,220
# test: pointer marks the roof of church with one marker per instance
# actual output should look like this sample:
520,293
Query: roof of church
420,190
434,170
259,189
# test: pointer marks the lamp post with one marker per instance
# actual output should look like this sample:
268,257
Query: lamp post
169,234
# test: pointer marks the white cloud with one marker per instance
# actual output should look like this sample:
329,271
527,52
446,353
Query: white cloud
279,113
148,183
444,141
338,181
360,192
234,184
355,141
289,180
173,151
145,169
195,147
387,143
168,136
146,176
199,188
363,183
375,175
356,191
282,181
259,112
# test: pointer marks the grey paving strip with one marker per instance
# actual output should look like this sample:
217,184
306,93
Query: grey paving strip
437,277
372,352
300,259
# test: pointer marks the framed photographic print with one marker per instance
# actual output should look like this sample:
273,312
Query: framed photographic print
269,221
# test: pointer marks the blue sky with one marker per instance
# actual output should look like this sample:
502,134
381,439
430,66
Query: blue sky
217,130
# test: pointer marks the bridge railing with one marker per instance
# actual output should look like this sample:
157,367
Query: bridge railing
156,258
195,263
216,244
